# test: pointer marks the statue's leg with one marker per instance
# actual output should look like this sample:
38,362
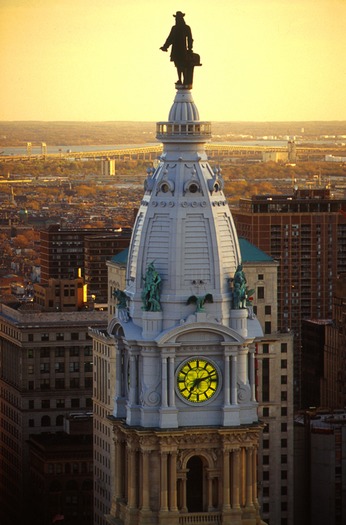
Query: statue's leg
188,75
180,72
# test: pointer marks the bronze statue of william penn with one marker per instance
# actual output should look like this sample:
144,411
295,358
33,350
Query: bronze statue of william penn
180,38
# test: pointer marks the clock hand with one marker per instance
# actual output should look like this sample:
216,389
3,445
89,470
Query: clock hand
208,377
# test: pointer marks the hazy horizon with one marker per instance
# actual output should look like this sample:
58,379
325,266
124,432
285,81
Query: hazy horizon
153,121
88,61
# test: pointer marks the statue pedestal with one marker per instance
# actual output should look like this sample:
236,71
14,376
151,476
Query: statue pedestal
201,317
152,324
238,321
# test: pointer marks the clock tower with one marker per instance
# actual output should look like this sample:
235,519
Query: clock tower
186,430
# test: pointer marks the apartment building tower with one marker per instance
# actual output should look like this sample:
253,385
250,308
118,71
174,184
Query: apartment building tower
104,358
333,387
306,233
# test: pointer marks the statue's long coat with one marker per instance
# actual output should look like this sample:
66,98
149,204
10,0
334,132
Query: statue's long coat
180,38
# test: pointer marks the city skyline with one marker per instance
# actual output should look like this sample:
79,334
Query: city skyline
263,60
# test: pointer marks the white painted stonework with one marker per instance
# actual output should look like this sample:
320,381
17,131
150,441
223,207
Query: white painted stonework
184,226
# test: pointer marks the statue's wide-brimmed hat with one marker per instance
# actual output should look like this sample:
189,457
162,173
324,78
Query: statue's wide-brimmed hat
179,14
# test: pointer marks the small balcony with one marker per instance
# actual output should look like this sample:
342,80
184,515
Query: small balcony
200,518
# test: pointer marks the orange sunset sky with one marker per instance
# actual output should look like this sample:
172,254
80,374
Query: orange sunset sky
97,60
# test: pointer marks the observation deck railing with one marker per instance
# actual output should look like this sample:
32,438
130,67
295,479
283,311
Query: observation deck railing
188,129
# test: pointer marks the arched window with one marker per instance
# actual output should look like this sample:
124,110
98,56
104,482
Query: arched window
194,485
59,421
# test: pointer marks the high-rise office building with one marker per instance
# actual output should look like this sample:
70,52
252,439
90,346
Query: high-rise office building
46,372
306,233
83,252
320,484
313,351
274,390
333,387
98,250
104,356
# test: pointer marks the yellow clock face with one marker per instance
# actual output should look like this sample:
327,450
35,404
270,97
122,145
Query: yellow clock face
197,380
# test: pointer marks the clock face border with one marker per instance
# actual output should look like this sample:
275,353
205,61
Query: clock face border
198,402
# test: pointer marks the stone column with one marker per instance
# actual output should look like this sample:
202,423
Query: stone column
252,373
234,387
171,393
242,476
164,381
249,502
236,478
183,492
133,380
243,365
145,479
119,474
118,382
210,492
254,475
226,480
173,482
131,478
163,487
227,396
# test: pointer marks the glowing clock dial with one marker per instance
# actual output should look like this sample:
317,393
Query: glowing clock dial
197,380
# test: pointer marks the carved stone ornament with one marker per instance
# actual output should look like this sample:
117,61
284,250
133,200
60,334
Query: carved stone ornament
244,393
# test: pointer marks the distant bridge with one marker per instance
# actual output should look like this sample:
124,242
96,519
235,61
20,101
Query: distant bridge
214,151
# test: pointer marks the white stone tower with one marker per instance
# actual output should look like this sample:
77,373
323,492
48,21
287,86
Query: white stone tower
185,418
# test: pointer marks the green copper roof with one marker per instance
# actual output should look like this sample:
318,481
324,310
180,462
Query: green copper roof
250,252
121,257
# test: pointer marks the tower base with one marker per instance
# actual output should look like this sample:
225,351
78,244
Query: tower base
178,477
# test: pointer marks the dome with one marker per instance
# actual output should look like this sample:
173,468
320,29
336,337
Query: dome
183,125
183,108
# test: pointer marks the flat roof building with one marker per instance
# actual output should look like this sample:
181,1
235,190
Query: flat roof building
333,388
46,372
83,252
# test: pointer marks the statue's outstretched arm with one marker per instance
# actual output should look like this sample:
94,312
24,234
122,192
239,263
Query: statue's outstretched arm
169,41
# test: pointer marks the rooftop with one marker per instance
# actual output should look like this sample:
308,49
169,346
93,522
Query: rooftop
121,257
250,252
